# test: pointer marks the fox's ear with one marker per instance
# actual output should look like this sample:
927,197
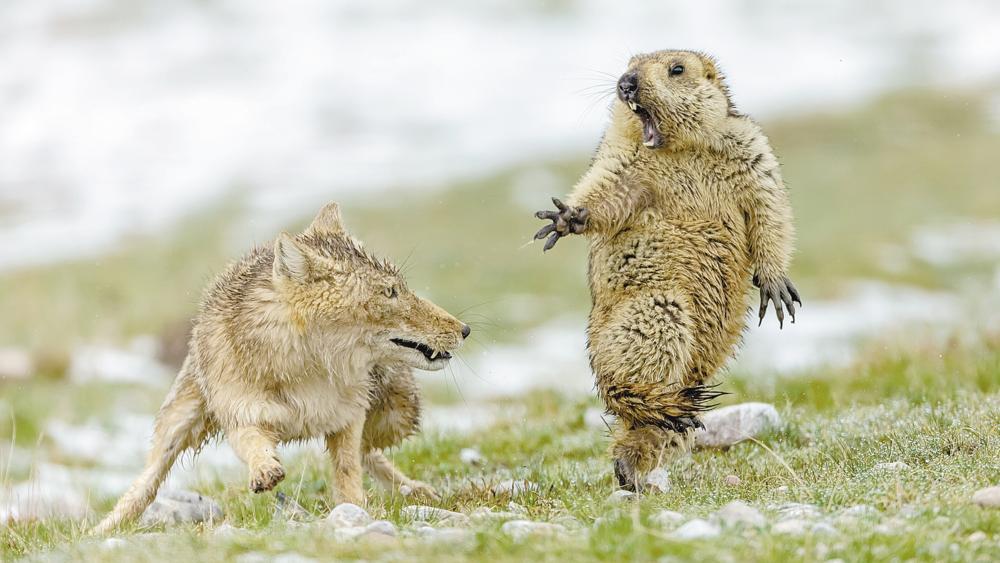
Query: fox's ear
291,260
328,220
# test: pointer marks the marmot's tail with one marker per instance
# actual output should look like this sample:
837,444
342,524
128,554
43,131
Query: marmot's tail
654,404
180,425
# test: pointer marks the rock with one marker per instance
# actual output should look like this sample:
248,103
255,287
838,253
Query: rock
859,511
621,496
514,507
347,515
822,528
597,419
891,466
433,514
976,536
730,425
285,508
15,363
383,527
667,518
739,513
471,456
791,510
567,521
658,480
181,507
696,529
520,530
514,488
227,530
791,526
731,480
781,490
988,497
446,535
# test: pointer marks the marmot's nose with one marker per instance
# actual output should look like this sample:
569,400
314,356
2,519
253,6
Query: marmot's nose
628,84
466,330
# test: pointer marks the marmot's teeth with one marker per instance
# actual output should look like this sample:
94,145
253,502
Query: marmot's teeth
633,105
649,144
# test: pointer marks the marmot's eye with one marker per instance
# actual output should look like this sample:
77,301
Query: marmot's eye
676,69
391,292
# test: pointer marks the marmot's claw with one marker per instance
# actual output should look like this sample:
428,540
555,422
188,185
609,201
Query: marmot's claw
567,220
784,296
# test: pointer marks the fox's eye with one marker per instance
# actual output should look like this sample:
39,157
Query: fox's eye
391,292
676,69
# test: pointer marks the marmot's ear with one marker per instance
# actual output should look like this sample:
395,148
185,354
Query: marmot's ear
327,221
291,260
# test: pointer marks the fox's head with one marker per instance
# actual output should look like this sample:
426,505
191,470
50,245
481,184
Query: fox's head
333,285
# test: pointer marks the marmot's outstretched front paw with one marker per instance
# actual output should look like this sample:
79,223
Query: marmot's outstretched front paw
781,292
567,220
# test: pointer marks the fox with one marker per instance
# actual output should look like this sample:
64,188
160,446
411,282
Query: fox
309,337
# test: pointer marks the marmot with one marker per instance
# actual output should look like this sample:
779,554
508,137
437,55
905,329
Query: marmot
309,337
684,206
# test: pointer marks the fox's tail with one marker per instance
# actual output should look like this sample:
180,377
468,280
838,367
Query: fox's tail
180,425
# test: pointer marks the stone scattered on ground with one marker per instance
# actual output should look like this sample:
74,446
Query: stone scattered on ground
781,490
988,497
515,507
658,481
567,521
667,518
514,488
471,456
790,526
738,513
731,480
621,496
227,530
383,527
822,528
433,514
286,508
15,363
41,500
449,535
791,510
859,511
696,529
181,507
730,425
976,536
520,530
347,515
890,466
597,419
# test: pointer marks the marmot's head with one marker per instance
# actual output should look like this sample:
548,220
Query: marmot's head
333,285
672,95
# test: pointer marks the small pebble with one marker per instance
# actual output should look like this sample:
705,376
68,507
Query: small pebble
739,513
658,480
988,497
735,423
977,536
821,528
621,496
667,518
792,527
347,515
696,529
433,514
178,507
891,466
514,507
520,530
731,480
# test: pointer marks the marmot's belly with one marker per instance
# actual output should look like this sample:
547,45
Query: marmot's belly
701,263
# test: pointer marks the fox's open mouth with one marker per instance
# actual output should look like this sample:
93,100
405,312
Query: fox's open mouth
650,134
430,353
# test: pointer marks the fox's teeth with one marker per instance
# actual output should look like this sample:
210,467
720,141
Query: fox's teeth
633,105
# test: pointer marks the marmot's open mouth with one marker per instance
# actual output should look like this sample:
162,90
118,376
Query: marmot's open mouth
430,353
650,134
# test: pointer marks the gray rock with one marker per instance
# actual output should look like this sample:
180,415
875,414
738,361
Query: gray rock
791,527
976,536
622,496
433,514
735,423
514,507
446,535
658,480
739,513
181,507
988,497
471,456
383,527
696,529
731,480
667,518
568,521
514,488
520,530
891,466
347,515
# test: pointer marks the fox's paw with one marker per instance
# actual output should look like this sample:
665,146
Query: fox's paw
266,476
566,220
782,293
419,490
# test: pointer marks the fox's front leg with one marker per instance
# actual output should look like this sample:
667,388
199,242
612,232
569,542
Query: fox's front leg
258,449
344,448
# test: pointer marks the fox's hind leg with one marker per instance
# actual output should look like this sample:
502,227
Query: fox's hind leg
180,425
393,416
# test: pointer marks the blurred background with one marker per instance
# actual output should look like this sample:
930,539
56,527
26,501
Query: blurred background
143,145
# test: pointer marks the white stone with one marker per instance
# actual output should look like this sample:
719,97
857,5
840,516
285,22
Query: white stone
347,515
514,507
520,530
988,497
446,535
696,529
667,518
976,536
434,514
514,488
179,507
739,513
792,527
383,527
596,419
735,423
859,511
471,456
658,480
797,510
621,496
891,466
15,363
731,480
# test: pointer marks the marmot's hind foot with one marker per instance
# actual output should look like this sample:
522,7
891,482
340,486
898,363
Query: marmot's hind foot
625,473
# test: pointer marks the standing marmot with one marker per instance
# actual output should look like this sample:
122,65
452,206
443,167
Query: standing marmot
684,205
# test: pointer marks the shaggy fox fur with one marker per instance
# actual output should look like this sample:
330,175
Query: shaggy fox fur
683,205
310,337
